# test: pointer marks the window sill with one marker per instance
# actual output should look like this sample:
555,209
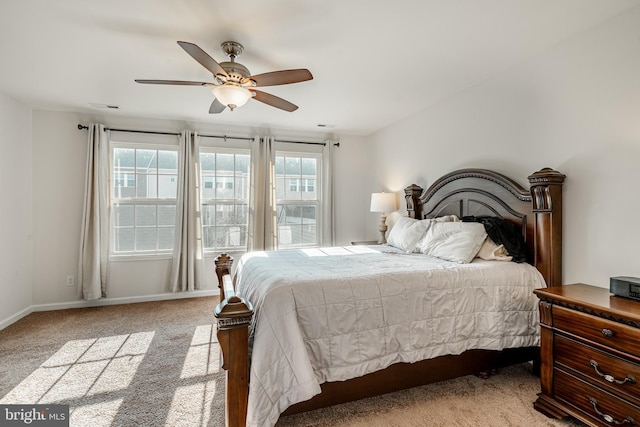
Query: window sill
235,254
139,257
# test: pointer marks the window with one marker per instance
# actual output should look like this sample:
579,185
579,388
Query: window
297,184
224,182
143,195
125,180
297,199
225,198
309,185
144,187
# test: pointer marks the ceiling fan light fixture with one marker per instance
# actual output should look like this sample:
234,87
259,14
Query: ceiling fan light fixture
231,95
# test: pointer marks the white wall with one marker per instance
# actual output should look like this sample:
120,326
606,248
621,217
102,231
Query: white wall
16,253
575,108
58,184
59,151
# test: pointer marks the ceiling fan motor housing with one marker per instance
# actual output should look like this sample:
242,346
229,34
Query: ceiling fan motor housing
237,72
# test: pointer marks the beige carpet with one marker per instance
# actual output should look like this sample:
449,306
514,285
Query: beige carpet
157,364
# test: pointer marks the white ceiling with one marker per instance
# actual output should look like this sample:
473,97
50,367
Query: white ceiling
373,62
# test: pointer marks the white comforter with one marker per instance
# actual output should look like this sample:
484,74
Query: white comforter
333,314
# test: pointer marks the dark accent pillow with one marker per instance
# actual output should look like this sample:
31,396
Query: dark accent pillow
503,232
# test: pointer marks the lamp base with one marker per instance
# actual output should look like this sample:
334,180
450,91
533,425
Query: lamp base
383,229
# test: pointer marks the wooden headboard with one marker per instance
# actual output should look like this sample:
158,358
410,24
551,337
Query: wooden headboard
537,210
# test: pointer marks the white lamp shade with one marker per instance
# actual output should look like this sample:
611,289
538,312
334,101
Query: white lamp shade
232,96
383,202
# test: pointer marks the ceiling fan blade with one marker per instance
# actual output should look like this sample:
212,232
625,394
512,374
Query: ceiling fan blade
203,58
273,100
174,82
216,107
283,77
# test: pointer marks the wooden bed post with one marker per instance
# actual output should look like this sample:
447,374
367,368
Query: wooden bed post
546,193
234,316
223,266
412,196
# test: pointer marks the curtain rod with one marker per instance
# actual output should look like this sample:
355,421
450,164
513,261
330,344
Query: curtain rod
225,137
336,144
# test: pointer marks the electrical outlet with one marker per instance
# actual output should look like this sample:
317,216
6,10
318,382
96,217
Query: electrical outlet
70,281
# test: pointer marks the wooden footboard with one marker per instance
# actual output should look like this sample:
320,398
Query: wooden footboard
234,316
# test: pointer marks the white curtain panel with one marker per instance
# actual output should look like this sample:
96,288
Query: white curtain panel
262,196
94,234
187,261
328,211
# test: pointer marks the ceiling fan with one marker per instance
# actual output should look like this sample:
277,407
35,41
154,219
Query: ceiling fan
233,85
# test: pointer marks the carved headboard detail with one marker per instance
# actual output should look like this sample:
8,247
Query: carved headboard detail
537,211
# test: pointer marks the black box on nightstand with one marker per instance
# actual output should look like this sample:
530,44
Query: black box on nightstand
623,286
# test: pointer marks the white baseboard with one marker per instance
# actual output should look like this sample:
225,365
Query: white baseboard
106,301
13,319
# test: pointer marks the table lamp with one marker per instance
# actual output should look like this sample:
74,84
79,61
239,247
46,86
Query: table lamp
383,202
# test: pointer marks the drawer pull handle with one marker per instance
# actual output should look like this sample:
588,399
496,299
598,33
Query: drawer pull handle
628,379
607,333
608,418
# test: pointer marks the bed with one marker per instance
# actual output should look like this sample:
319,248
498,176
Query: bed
536,212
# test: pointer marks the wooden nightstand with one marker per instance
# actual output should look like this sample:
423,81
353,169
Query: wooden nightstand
589,355
364,242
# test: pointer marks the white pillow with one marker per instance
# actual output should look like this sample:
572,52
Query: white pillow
491,251
446,218
453,241
406,233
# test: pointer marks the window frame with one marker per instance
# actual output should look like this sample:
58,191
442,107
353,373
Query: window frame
137,201
302,185
216,149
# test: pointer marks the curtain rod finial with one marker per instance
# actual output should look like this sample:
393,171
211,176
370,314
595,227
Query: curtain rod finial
80,127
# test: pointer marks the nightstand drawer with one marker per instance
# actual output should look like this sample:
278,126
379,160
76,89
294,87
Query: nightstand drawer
599,330
616,375
600,405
